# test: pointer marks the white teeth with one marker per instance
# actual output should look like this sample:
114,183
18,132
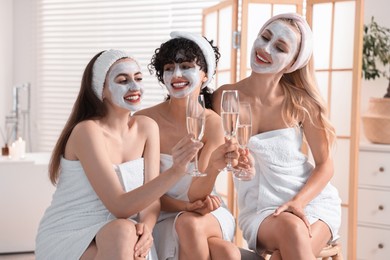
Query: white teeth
132,97
263,60
181,84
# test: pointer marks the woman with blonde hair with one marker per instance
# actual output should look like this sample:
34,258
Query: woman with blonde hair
289,208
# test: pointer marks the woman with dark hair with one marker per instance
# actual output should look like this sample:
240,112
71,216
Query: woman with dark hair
193,224
106,169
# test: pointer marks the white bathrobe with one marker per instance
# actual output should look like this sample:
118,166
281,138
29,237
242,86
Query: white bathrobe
281,171
76,213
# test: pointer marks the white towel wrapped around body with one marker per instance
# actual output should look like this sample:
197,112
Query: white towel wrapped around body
164,233
76,213
281,171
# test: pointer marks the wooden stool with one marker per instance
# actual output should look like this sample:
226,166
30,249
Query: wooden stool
332,252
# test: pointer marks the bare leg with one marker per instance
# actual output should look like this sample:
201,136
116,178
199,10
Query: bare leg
222,249
288,234
116,240
321,235
90,253
200,238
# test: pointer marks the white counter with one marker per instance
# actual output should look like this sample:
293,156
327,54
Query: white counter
25,193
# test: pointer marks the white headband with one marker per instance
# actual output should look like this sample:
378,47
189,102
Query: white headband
207,50
306,47
101,66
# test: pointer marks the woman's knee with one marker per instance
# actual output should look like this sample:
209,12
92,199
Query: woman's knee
231,251
222,249
119,230
293,228
188,223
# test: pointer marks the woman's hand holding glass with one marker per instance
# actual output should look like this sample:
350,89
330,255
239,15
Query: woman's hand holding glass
244,132
183,152
225,153
229,113
195,120
246,162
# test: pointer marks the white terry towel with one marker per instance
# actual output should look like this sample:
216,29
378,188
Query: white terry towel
281,171
76,213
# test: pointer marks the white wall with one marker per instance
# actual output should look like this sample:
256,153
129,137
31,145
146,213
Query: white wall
17,53
6,60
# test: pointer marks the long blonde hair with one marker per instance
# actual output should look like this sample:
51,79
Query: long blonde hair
304,101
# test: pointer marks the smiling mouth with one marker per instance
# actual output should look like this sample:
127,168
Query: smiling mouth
261,58
180,85
133,97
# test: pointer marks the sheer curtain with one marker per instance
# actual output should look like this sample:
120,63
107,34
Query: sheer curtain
71,32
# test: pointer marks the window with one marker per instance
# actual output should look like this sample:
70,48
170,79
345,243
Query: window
71,32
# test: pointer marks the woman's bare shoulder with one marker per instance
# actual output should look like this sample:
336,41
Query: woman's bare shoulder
143,122
152,111
86,127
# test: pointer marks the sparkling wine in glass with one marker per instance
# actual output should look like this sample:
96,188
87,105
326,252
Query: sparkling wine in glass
195,117
244,132
229,113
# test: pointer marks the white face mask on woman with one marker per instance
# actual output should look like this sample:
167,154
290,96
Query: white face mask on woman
274,49
124,83
181,79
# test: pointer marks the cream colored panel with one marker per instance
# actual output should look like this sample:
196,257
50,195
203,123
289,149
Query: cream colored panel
343,240
210,27
341,168
322,29
225,37
322,81
210,31
280,9
343,35
340,110
258,14
223,78
248,72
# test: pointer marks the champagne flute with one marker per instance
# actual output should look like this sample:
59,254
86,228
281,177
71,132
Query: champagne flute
195,117
229,113
244,132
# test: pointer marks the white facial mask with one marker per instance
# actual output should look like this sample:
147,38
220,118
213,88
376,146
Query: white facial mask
266,57
121,93
180,82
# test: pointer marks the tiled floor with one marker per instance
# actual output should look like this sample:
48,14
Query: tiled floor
25,256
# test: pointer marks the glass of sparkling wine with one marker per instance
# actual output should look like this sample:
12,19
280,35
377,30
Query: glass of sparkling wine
244,132
195,117
229,113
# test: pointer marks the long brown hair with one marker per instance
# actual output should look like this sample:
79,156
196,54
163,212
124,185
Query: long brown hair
87,106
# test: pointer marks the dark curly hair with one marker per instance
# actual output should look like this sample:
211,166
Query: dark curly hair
167,53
